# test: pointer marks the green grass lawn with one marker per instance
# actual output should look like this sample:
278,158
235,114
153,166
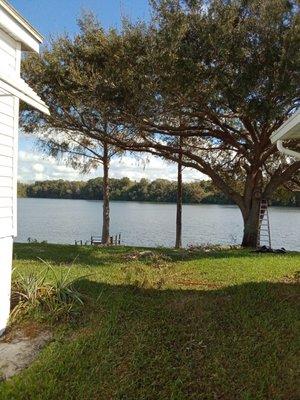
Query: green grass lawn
171,325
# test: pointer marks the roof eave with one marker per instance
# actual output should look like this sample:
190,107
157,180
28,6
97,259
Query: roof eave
19,28
290,129
22,21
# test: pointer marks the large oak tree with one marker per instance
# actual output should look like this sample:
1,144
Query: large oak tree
223,75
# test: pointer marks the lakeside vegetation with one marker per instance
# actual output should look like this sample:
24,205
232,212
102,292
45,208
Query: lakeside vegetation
159,190
165,324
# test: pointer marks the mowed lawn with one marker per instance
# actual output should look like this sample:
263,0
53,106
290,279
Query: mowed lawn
168,325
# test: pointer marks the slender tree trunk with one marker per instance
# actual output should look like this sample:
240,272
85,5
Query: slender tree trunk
178,240
106,218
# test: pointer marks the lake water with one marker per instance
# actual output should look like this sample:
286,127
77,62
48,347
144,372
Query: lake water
147,224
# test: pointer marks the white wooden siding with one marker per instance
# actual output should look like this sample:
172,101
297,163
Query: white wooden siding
15,159
8,138
6,105
5,280
8,54
6,149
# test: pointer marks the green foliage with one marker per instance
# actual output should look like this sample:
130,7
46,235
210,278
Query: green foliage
22,189
159,190
79,97
47,293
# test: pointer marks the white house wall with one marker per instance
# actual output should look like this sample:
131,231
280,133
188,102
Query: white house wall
10,57
16,34
8,127
8,54
10,50
5,280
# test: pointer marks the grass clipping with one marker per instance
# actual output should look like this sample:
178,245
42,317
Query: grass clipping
47,294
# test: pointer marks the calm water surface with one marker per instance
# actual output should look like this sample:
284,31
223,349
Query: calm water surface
147,224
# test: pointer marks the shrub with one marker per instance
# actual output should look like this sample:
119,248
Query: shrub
50,294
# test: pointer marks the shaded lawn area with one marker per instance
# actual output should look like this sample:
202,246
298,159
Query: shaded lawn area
169,325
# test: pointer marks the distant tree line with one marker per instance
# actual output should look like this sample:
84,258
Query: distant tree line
159,190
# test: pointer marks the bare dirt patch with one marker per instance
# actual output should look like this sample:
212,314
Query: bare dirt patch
19,348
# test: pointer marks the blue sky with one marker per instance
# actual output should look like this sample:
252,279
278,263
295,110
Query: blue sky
52,18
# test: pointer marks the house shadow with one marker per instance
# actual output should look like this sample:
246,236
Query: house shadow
131,342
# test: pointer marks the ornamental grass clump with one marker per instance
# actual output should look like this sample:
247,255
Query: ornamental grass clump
47,294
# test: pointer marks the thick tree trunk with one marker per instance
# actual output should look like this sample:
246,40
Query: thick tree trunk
297,203
106,217
250,208
251,224
178,240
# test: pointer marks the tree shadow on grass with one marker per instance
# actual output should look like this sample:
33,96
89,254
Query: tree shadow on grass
94,256
237,342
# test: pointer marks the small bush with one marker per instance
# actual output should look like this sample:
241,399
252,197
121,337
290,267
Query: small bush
47,293
145,277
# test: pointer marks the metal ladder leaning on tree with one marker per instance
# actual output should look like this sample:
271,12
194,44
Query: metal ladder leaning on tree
264,233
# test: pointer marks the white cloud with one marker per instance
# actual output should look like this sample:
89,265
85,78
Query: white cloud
40,177
27,156
34,166
38,167
64,168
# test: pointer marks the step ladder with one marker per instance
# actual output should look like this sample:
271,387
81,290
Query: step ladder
264,232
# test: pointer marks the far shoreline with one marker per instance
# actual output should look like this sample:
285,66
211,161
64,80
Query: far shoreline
153,202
